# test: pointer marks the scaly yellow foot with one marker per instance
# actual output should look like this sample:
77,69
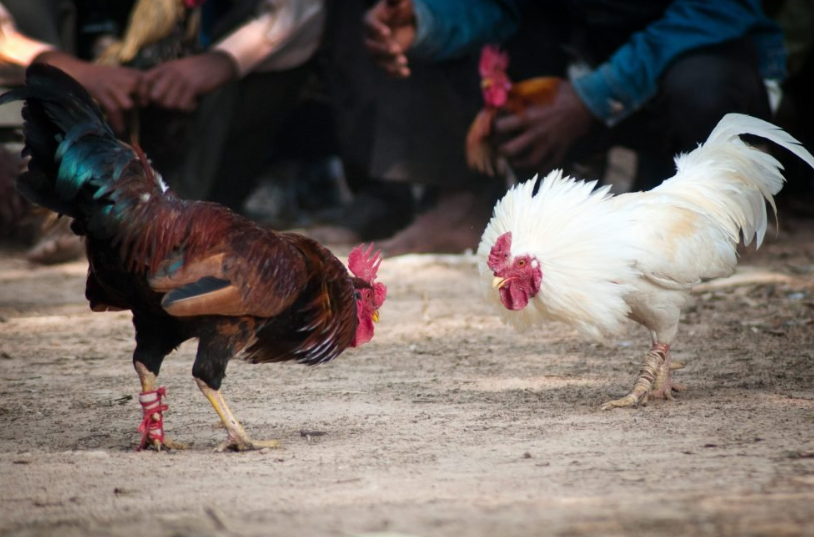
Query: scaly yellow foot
663,386
246,445
654,363
236,439
166,443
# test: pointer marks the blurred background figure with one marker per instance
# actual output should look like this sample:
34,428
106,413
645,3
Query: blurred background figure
401,146
42,30
220,80
655,76
350,118
204,88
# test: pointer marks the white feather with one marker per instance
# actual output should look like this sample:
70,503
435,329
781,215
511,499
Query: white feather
638,255
580,243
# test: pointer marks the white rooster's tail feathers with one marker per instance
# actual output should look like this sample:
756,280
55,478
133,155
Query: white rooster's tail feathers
733,125
729,180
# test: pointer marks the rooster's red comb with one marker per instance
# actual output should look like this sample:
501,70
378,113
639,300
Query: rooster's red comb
500,251
492,61
362,264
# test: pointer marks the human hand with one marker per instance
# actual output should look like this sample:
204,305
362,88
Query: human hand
539,137
390,29
177,84
112,86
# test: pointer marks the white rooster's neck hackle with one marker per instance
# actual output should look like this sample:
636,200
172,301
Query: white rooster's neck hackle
580,243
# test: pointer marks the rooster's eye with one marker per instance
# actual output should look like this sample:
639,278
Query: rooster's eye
521,263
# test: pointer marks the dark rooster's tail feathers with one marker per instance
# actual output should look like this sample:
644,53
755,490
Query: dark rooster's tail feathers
78,167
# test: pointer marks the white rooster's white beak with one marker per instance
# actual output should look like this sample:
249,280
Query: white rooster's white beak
499,282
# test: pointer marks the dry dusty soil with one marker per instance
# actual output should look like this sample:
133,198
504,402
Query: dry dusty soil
447,424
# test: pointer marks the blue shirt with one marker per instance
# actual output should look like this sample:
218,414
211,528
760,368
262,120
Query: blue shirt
629,77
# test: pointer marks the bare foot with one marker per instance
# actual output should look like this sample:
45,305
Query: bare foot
57,245
453,225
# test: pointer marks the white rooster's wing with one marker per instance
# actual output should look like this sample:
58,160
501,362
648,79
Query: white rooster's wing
680,245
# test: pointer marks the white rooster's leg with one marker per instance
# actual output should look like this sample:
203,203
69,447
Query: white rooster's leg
651,369
664,386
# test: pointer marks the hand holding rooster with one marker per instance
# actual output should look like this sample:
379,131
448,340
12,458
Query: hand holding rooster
539,118
538,136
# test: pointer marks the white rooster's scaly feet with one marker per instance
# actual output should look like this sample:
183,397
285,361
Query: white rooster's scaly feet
654,375
664,386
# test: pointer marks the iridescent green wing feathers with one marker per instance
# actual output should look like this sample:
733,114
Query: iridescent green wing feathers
78,167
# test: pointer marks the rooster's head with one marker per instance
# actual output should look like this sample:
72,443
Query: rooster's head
517,278
495,83
369,293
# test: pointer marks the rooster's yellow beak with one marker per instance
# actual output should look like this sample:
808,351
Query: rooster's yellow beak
499,282
376,316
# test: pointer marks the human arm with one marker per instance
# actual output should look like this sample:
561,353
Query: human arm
112,86
630,77
435,31
541,135
17,49
284,34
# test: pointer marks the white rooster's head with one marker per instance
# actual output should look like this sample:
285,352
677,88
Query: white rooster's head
516,278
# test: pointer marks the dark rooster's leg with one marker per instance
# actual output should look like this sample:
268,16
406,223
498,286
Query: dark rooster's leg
655,362
152,427
215,349
237,439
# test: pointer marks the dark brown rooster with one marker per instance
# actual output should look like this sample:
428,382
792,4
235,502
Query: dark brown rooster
186,269
501,95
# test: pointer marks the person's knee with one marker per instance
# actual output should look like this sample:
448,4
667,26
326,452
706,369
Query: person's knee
699,89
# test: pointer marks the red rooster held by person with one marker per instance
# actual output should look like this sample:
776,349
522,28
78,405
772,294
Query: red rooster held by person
500,94
186,269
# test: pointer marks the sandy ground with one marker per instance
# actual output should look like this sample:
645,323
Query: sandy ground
448,424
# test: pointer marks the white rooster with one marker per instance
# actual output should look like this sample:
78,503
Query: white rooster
585,257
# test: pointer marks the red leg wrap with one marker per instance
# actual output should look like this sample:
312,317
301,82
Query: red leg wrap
152,426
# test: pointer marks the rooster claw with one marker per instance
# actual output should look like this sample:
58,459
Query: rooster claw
158,445
232,444
628,401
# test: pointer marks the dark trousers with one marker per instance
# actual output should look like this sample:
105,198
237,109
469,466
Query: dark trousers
694,93
233,133
410,130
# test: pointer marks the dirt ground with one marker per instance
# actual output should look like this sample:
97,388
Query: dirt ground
447,424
